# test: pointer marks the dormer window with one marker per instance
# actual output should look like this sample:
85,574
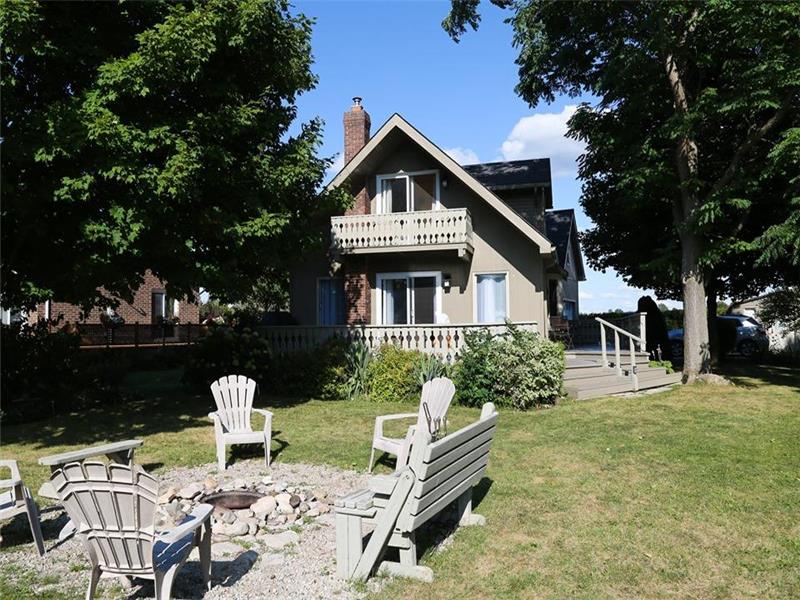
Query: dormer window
408,192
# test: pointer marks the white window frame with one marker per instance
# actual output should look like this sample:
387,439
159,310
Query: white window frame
437,296
380,204
316,307
475,293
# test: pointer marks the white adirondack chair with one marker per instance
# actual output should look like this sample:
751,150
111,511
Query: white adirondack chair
114,507
18,500
234,397
436,397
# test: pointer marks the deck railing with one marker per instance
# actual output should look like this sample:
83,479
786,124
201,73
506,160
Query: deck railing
138,335
632,340
446,341
429,229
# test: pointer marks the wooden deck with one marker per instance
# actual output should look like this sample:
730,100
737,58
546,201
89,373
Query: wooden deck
586,377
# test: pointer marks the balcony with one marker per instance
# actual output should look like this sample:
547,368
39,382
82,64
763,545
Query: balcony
446,229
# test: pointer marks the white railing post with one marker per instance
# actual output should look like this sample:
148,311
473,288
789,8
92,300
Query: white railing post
634,376
617,364
603,344
643,332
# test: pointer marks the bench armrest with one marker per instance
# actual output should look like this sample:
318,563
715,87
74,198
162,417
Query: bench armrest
11,465
379,421
267,418
200,515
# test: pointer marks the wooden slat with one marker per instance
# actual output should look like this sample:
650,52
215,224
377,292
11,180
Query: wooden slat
416,505
382,484
411,522
437,449
422,487
428,470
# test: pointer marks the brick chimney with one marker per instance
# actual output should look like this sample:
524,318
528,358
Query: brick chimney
356,129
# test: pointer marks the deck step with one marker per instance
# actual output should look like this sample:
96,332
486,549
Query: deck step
605,385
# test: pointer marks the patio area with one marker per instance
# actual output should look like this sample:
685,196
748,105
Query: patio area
688,492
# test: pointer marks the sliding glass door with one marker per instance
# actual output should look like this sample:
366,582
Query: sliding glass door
409,298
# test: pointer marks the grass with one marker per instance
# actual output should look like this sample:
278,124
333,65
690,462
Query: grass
692,493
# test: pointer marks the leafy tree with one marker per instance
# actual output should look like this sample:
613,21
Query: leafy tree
155,135
695,124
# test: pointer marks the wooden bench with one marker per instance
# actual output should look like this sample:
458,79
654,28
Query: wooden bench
439,474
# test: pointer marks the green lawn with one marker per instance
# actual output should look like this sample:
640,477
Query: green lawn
693,493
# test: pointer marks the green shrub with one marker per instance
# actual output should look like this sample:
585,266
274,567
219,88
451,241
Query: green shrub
318,373
517,369
358,358
665,364
224,351
392,375
427,367
45,372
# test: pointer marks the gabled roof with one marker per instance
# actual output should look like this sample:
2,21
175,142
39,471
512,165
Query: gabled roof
512,174
396,124
563,232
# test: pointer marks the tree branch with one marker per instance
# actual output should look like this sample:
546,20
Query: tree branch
755,136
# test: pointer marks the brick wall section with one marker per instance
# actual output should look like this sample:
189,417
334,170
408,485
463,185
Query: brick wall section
358,305
140,310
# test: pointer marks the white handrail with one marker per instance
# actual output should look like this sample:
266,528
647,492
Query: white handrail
631,347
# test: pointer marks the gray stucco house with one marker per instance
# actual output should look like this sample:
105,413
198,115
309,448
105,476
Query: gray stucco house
429,241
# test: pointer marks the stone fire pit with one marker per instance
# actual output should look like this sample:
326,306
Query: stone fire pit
260,509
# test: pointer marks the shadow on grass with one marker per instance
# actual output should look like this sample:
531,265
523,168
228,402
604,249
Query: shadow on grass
753,375
157,402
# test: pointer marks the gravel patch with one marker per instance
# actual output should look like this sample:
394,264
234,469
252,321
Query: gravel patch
291,561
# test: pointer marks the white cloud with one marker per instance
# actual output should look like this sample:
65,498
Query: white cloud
585,295
543,135
463,156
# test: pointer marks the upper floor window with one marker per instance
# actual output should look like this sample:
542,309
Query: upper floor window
407,192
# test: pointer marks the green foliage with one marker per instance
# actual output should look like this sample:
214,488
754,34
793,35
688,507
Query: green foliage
318,373
665,364
518,369
46,372
392,375
358,359
225,351
156,135
428,366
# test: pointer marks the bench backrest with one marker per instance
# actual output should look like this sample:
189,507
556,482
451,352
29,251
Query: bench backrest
234,397
113,508
445,469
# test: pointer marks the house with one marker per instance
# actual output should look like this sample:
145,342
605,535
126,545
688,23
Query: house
150,305
781,337
562,294
430,241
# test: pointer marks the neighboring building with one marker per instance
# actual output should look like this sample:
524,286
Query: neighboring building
429,241
150,305
562,295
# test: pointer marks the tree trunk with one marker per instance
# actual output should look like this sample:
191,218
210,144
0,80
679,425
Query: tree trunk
696,356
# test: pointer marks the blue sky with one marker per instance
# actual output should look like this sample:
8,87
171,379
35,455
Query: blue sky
397,57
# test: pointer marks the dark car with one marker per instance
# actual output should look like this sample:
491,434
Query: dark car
736,333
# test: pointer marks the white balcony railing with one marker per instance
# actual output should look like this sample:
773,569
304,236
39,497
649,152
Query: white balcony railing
445,341
447,229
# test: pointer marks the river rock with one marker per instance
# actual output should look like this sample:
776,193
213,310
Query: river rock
264,506
294,500
236,529
225,548
191,490
168,495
